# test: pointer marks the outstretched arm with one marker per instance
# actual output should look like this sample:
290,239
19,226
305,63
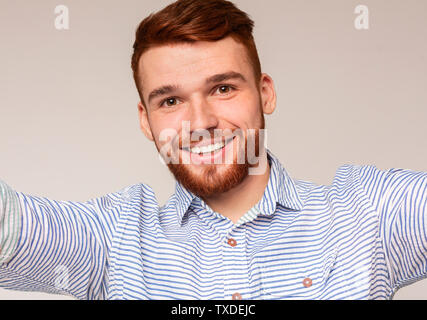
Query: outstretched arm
55,246
400,199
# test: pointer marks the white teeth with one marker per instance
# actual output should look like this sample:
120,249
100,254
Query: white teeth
207,149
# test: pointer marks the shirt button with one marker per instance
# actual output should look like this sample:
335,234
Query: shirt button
307,282
232,242
236,296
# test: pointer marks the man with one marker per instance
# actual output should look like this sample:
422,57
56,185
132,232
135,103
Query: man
237,226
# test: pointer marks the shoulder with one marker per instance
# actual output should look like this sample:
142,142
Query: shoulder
378,183
347,180
138,197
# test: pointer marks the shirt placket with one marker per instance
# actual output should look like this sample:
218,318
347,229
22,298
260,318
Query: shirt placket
236,284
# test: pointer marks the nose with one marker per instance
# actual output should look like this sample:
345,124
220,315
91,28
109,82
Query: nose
202,115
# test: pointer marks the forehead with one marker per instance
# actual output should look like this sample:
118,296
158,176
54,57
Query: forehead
190,63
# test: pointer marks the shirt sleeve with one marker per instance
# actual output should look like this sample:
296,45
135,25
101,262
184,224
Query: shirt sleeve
59,247
10,222
399,197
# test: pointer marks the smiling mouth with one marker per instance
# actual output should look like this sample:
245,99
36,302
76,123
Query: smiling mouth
208,149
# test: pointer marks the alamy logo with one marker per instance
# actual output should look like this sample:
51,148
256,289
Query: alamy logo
362,20
62,19
61,279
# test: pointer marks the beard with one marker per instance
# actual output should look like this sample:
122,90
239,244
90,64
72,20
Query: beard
208,180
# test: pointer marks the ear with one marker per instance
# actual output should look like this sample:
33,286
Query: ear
143,121
268,94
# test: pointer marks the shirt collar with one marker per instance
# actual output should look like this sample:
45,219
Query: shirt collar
280,189
183,200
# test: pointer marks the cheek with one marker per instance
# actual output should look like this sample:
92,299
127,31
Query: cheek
165,126
243,112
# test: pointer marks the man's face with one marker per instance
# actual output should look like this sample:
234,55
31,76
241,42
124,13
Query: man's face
206,91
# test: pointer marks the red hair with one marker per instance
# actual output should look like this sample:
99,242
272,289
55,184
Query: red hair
194,20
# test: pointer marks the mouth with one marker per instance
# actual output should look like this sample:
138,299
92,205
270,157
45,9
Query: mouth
209,149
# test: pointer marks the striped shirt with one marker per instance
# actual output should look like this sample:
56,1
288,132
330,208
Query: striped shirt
362,237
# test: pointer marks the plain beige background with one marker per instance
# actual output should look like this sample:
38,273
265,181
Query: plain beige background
68,105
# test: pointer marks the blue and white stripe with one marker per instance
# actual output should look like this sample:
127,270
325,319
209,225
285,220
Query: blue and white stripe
362,237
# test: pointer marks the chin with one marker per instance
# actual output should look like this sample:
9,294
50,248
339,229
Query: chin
209,180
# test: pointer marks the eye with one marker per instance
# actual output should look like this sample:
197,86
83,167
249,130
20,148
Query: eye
169,102
224,89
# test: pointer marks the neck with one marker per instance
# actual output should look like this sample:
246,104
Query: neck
234,203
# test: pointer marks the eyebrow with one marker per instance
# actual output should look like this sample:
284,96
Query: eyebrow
168,89
225,76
